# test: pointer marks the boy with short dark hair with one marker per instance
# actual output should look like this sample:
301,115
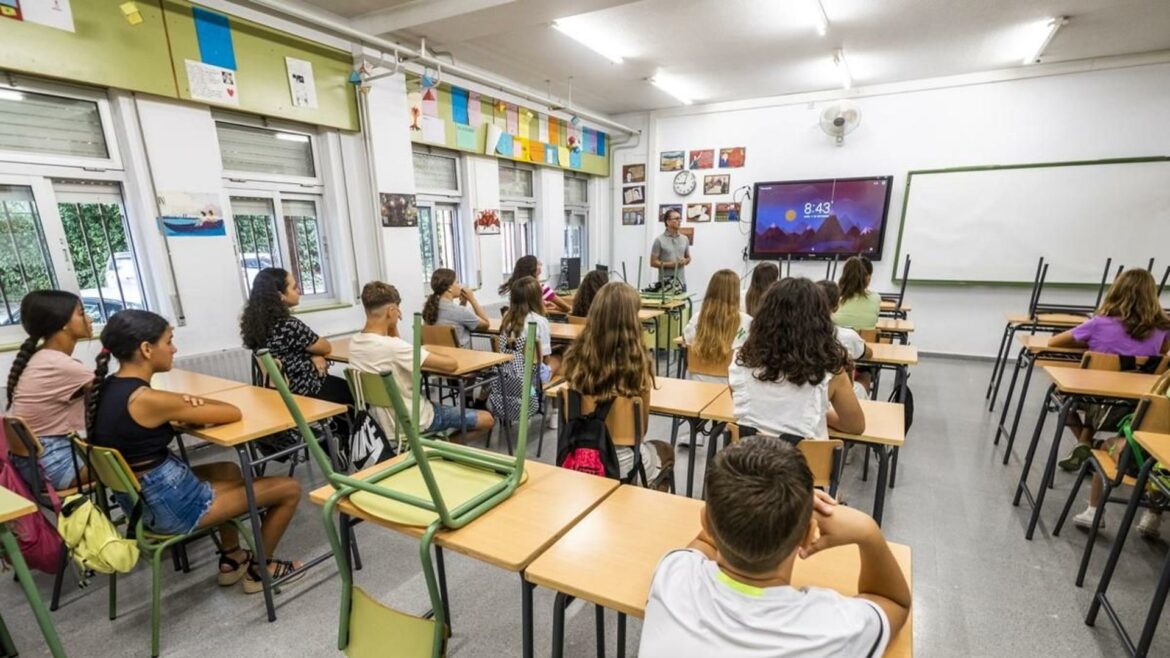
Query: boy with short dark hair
728,593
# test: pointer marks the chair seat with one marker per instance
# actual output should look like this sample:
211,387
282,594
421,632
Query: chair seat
1109,467
458,483
371,624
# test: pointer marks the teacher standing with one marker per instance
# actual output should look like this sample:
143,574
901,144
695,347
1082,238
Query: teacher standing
671,252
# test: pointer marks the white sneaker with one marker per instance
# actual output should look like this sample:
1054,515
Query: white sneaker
1085,519
1149,524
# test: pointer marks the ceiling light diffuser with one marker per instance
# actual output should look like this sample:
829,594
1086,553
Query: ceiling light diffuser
1044,33
592,35
672,87
842,68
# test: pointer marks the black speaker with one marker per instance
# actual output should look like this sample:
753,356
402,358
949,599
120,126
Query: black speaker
570,273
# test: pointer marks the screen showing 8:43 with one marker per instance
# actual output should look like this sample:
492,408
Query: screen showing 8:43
820,218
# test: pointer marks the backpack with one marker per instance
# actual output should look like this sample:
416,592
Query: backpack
583,441
39,543
92,538
907,405
368,445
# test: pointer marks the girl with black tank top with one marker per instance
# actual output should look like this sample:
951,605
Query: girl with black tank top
126,414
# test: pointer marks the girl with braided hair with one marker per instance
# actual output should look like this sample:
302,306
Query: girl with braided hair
47,386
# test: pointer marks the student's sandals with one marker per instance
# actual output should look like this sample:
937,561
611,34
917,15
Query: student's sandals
254,585
230,570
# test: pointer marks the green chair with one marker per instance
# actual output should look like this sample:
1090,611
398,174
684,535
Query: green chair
113,473
438,485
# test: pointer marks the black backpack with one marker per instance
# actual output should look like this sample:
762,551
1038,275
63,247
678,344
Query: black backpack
907,405
583,441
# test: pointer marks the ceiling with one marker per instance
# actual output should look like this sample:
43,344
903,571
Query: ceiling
725,50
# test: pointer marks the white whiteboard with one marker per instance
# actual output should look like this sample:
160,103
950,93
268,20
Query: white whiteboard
992,225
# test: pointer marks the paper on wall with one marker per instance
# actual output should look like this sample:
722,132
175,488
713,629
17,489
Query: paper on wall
430,102
212,83
52,13
563,156
474,109
465,137
513,123
543,130
434,130
493,138
301,83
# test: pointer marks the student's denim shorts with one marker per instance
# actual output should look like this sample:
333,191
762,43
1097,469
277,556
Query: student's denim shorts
175,498
57,459
449,418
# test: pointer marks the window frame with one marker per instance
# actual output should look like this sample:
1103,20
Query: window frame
112,162
513,204
458,245
428,197
456,193
276,197
235,176
583,209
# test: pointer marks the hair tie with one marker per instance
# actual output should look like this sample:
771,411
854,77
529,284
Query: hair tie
104,350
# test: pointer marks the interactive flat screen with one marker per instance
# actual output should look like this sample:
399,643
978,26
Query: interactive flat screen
816,219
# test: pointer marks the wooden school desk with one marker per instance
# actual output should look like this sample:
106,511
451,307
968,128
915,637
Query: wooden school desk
896,357
622,541
895,329
1157,447
685,399
13,507
264,414
512,534
1033,349
1050,323
1073,385
191,383
891,309
885,431
560,332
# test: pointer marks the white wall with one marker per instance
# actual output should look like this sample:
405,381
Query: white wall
1080,116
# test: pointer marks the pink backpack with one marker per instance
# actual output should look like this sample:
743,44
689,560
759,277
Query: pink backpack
39,542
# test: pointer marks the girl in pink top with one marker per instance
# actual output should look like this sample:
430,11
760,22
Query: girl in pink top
531,266
47,386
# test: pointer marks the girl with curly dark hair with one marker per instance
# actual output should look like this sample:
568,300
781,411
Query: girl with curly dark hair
47,386
587,291
267,322
791,377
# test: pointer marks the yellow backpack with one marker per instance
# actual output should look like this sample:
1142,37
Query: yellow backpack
92,538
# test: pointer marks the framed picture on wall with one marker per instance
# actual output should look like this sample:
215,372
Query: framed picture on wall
398,210
667,207
732,157
635,173
634,216
704,159
671,161
727,212
717,184
698,212
634,194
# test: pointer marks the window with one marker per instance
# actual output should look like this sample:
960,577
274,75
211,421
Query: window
63,221
577,219
517,214
436,180
277,199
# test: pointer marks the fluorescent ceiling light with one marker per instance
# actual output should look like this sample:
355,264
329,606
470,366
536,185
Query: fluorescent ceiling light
292,137
672,87
592,35
842,68
10,95
1043,34
821,18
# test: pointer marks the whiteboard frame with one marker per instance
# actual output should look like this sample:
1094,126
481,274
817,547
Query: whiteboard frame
1030,165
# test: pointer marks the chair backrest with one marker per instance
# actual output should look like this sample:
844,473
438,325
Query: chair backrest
868,335
822,459
1153,411
439,334
1155,365
110,467
620,420
260,373
576,319
21,440
697,366
275,377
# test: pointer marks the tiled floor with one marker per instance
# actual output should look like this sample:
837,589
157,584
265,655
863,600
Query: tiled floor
980,588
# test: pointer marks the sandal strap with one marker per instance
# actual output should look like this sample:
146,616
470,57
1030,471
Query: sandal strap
224,560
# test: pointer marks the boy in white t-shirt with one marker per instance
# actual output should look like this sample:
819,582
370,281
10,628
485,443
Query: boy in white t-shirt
728,593
852,341
379,349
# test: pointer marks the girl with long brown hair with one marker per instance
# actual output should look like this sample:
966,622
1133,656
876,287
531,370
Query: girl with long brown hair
524,305
587,291
609,360
720,326
860,306
531,266
763,277
448,305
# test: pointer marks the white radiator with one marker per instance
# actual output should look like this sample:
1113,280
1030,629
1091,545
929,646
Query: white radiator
234,363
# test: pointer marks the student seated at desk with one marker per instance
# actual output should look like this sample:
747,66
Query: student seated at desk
126,414
729,592
441,307
47,386
267,323
583,299
791,377
531,266
763,277
860,306
378,348
609,360
524,306
720,326
853,343
1130,322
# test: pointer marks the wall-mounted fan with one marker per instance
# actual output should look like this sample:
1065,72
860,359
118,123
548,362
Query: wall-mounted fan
840,119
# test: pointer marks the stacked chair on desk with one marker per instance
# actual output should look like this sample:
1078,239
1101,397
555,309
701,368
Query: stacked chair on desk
437,486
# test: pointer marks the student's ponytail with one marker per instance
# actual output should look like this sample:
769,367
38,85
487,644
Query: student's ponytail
441,281
42,314
101,369
125,332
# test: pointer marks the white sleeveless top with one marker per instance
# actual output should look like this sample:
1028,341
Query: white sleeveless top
779,407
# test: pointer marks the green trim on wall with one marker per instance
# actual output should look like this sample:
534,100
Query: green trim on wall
105,50
1030,165
262,72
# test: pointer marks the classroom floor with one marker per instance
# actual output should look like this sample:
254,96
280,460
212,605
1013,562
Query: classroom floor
980,589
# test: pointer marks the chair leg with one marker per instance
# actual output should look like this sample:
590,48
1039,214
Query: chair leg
62,567
437,602
1087,554
155,600
113,607
1072,496
6,644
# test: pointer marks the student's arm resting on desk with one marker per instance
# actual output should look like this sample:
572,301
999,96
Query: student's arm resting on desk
440,362
151,408
560,304
881,580
846,414
1065,339
320,347
823,505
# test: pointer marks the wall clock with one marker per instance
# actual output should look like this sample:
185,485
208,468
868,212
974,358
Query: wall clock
685,183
